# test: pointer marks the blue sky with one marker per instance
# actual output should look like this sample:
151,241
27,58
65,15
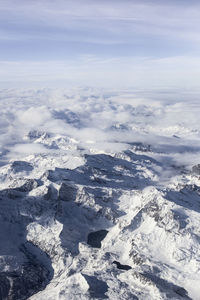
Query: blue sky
100,42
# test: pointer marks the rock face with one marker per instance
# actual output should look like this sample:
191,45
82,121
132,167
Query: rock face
121,267
95,238
20,285
28,186
67,192
21,166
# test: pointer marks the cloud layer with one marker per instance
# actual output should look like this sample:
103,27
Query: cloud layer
63,121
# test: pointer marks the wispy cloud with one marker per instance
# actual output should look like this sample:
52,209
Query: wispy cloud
53,40
123,20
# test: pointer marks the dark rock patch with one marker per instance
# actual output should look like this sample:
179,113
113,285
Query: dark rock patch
35,134
120,266
21,191
21,166
28,186
67,192
95,238
51,193
180,291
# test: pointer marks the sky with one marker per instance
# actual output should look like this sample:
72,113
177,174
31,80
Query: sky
106,43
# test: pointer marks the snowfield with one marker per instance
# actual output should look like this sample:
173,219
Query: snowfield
99,195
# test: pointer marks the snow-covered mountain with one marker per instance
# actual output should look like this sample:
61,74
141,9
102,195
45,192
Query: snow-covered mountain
99,195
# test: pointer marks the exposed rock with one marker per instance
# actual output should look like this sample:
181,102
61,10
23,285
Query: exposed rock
18,192
28,186
95,238
181,291
120,266
35,134
51,193
67,192
21,166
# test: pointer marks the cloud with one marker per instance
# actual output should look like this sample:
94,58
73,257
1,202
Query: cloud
111,43
38,116
64,121
100,21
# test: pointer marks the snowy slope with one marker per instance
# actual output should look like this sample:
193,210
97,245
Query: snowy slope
99,195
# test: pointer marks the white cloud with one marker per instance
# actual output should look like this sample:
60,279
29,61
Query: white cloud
99,121
134,43
34,116
120,21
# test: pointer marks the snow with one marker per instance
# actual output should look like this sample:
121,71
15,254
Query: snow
78,161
